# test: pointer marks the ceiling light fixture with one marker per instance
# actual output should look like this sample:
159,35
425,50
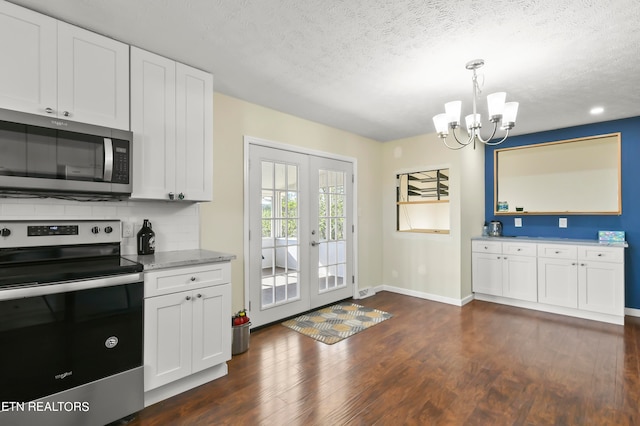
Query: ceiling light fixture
596,110
498,110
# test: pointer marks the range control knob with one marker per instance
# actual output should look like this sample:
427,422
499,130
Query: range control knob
108,229
5,232
95,230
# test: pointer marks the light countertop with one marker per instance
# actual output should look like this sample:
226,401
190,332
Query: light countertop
552,240
174,259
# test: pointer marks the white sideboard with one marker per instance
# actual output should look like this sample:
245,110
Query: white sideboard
580,278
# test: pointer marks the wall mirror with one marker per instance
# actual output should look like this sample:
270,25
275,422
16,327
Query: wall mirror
576,176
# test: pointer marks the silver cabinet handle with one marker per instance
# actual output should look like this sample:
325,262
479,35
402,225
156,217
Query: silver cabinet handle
188,297
199,295
49,110
171,195
66,113
599,254
193,278
181,196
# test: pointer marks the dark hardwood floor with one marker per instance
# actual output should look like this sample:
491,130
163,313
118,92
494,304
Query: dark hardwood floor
431,364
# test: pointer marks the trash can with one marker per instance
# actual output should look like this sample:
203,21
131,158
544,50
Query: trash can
240,338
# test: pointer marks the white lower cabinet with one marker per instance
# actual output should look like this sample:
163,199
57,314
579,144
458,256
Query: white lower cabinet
505,269
186,331
585,280
601,279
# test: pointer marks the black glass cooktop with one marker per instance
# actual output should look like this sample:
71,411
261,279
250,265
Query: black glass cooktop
48,265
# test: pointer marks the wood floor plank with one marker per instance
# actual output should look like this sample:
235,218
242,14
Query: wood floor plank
430,364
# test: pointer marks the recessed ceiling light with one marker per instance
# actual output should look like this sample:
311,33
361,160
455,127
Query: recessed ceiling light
596,110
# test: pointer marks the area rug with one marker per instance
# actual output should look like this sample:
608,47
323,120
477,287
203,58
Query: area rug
334,323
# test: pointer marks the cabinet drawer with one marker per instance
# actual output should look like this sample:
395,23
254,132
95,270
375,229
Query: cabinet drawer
557,251
522,249
604,254
171,280
486,246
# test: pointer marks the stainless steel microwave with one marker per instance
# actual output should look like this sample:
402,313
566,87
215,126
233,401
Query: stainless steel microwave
40,154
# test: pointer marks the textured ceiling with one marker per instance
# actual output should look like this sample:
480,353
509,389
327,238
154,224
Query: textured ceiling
383,68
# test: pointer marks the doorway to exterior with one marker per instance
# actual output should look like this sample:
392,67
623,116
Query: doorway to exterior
300,231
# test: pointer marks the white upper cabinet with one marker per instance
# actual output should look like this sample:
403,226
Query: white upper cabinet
153,122
194,123
93,78
55,69
28,75
172,122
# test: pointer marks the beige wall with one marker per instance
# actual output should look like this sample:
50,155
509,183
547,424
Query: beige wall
427,264
222,220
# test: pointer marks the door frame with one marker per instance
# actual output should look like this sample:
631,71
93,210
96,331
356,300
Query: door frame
251,140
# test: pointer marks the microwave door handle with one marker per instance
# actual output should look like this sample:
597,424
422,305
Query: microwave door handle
108,159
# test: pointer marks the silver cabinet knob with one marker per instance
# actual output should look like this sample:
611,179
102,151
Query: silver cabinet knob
171,195
188,297
48,110
66,113
193,278
314,243
199,295
181,196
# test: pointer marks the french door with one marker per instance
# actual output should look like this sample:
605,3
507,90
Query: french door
300,232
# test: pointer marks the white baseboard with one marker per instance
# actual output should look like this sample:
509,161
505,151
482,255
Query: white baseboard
427,296
632,312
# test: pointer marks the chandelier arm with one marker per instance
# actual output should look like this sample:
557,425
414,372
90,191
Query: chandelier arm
458,140
486,141
500,141
460,146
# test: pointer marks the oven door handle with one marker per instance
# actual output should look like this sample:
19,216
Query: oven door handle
108,159
34,290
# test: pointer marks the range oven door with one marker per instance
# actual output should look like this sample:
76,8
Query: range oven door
57,337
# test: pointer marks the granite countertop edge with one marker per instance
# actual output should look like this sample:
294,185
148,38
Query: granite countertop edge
552,240
178,258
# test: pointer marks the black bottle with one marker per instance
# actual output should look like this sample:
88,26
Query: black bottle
146,239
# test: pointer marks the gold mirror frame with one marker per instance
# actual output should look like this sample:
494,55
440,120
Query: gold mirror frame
574,176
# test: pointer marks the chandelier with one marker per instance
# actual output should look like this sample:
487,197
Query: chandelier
498,110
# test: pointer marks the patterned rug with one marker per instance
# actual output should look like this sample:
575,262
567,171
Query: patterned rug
334,323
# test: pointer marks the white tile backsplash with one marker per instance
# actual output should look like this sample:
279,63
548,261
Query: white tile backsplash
176,224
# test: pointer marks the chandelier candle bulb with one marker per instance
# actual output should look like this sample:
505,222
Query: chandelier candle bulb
473,122
509,115
495,103
441,123
452,111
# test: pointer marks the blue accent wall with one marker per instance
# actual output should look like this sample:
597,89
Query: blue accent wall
585,226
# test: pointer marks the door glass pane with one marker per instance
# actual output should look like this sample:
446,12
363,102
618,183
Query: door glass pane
280,223
331,219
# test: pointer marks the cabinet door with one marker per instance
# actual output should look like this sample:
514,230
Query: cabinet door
28,50
520,278
211,326
487,273
153,123
194,123
93,78
167,338
601,287
558,282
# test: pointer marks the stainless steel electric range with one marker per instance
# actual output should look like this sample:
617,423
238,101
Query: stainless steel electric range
71,324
